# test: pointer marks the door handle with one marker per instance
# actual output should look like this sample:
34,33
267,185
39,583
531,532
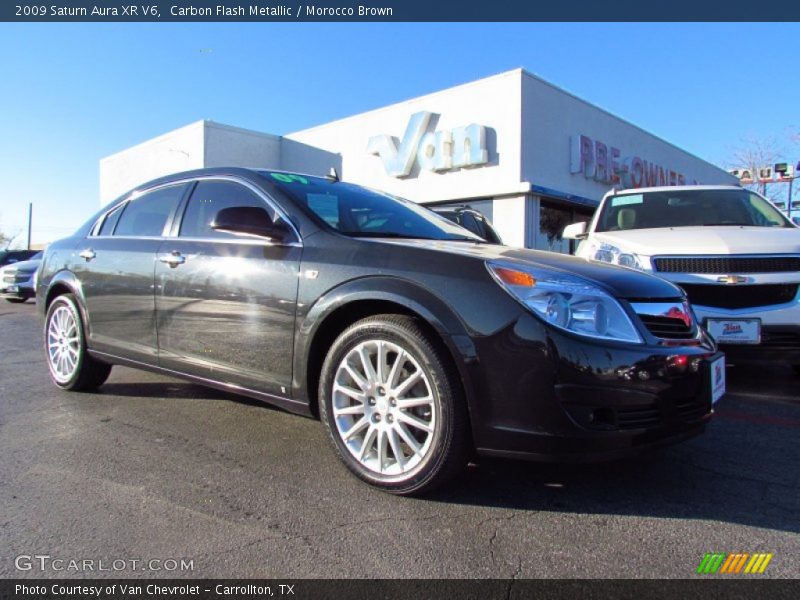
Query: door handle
88,254
173,260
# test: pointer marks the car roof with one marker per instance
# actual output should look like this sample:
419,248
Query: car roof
673,188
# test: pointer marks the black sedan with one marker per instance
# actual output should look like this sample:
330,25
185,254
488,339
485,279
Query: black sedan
411,339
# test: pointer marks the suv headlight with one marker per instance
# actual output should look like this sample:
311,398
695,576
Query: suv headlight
566,301
614,255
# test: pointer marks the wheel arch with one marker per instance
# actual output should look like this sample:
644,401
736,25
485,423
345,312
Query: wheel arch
351,302
65,282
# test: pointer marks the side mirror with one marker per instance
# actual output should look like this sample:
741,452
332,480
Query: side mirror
576,231
251,221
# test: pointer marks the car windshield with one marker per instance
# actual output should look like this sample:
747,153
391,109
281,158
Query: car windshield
358,212
688,208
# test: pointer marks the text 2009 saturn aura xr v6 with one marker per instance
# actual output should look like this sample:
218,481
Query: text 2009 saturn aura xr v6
413,340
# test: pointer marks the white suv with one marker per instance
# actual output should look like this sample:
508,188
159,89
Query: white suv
733,252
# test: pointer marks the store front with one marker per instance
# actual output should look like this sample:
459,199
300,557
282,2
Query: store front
529,156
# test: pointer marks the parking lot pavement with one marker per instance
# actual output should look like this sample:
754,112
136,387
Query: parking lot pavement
155,468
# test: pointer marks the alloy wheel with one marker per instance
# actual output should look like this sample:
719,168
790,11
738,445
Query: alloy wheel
384,408
63,344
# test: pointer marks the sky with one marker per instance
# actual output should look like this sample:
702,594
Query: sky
71,94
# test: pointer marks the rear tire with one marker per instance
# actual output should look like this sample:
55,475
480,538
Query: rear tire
69,364
393,407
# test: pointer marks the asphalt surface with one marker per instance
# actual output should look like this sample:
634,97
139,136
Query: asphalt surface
155,468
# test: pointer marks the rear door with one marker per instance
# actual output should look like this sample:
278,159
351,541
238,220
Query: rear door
226,303
116,270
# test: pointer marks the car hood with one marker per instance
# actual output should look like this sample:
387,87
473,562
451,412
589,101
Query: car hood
24,266
705,240
621,282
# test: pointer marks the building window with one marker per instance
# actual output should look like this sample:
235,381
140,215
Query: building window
553,217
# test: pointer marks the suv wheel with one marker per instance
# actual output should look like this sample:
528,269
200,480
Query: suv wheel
392,406
70,366
16,300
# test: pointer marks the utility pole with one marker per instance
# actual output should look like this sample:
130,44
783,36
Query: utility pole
30,219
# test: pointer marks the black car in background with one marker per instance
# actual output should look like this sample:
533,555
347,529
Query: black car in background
470,219
413,340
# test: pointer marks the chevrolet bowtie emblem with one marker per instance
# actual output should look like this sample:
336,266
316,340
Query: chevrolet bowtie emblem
732,279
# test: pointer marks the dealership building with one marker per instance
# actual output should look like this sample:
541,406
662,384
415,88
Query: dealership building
530,156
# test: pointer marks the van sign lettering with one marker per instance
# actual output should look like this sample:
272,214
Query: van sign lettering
437,151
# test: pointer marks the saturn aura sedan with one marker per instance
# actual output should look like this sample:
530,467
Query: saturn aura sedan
416,343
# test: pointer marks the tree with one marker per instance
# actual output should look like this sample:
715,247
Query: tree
756,152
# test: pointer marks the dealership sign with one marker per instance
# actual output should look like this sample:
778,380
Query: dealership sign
436,151
603,163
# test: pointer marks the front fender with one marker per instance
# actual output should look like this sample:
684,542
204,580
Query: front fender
408,294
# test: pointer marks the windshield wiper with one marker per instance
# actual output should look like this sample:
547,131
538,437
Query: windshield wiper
730,224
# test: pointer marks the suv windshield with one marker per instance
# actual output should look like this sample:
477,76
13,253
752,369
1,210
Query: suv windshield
688,208
354,211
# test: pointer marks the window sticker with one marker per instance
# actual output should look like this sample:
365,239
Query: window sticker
289,178
627,200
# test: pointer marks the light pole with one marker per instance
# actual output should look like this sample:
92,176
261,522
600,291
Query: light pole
30,219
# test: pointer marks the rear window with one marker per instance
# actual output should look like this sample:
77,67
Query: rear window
146,216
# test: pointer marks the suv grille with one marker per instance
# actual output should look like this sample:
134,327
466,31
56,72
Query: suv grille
667,328
728,264
740,296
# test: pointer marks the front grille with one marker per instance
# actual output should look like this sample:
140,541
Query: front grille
740,296
16,277
638,417
727,264
667,328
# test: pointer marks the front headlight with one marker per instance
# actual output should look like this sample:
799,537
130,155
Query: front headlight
614,255
566,301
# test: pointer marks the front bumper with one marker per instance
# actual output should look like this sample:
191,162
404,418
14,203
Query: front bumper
780,333
23,292
17,284
551,396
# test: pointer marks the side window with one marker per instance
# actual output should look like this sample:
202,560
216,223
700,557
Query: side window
468,222
208,198
107,228
147,215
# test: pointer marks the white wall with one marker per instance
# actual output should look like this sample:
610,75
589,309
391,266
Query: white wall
177,150
197,145
493,102
227,146
551,115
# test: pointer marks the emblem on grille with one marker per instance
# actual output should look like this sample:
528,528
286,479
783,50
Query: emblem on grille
680,313
732,279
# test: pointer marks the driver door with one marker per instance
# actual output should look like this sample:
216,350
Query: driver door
225,304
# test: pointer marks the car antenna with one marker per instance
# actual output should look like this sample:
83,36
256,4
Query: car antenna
332,175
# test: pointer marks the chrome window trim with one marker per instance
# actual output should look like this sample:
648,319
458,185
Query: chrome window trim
130,198
188,180
258,192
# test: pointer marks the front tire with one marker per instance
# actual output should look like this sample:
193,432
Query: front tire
393,407
69,364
